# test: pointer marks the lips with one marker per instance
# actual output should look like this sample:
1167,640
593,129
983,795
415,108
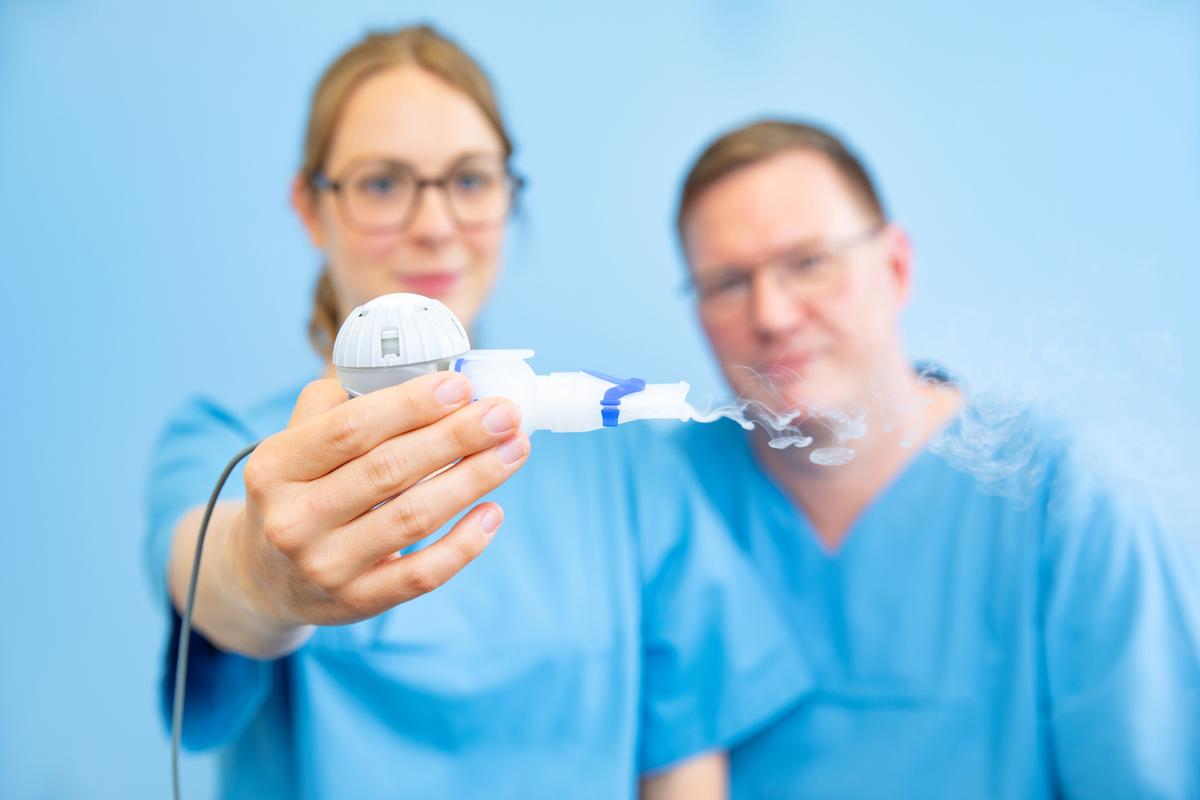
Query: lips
430,284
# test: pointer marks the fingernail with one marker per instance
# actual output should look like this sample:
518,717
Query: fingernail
451,391
490,520
500,419
513,450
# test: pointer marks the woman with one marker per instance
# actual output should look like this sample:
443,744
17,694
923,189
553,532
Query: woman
593,644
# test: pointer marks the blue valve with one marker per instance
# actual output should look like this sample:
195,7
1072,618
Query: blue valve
610,406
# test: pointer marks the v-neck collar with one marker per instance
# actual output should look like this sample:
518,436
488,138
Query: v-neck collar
783,513
787,514
786,511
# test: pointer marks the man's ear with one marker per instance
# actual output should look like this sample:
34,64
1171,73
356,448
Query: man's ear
304,203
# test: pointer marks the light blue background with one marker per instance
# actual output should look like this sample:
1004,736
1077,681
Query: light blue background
1046,161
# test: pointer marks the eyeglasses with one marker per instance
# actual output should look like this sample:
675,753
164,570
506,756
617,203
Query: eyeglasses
803,273
382,195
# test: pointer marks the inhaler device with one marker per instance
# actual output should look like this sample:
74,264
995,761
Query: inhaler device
401,336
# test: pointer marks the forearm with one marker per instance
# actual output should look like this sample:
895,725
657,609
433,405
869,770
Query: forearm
230,609
705,777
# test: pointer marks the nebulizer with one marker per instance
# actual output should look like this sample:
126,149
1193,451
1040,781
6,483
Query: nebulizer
397,337
400,336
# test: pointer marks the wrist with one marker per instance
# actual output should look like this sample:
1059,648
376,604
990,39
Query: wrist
257,604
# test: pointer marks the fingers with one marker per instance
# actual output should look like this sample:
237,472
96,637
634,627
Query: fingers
314,491
424,508
398,463
402,578
329,434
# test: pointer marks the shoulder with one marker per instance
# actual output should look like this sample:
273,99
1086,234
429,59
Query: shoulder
1042,464
1098,519
203,423
204,413
1005,446
270,414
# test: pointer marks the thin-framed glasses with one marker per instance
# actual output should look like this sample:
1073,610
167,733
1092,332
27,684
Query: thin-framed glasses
805,272
381,195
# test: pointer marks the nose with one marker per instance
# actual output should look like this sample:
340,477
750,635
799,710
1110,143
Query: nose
772,310
431,220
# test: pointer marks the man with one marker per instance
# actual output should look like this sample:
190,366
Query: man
984,619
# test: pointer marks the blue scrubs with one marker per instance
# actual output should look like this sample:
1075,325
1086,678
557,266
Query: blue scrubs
996,625
610,629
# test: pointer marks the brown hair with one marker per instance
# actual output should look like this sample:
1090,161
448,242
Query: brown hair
761,140
419,46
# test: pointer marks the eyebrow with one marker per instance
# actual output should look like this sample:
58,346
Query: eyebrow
393,159
803,247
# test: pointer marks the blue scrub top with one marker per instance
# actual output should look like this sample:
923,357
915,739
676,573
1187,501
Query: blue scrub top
996,625
610,629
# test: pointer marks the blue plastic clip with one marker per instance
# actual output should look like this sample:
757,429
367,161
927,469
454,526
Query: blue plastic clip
610,406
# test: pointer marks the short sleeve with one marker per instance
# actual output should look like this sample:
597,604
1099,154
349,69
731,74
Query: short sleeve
1122,647
718,661
224,690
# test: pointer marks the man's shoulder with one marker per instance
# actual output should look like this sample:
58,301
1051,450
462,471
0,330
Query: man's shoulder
1037,458
1008,446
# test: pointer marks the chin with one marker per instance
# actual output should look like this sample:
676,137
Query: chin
777,399
465,304
783,397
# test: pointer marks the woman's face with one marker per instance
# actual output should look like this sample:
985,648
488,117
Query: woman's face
401,117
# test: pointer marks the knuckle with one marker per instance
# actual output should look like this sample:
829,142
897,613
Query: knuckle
412,515
423,577
318,507
280,530
409,405
461,550
349,428
464,432
321,570
257,473
387,469
485,473
357,603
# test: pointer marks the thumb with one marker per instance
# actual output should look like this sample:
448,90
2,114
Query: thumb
315,399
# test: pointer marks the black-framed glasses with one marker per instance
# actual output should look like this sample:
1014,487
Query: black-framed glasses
805,272
382,195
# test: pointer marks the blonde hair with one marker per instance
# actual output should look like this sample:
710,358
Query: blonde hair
420,46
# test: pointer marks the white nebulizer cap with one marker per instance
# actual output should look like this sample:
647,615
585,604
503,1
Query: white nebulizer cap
396,337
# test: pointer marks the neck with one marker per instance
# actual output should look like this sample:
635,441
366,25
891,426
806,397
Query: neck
902,415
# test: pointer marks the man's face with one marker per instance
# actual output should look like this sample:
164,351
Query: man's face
799,286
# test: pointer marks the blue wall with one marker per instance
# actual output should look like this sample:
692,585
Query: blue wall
1047,162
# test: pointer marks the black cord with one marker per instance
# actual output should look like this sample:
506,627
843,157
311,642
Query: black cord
185,629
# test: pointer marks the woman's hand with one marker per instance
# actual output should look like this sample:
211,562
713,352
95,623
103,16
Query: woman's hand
331,499
703,777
